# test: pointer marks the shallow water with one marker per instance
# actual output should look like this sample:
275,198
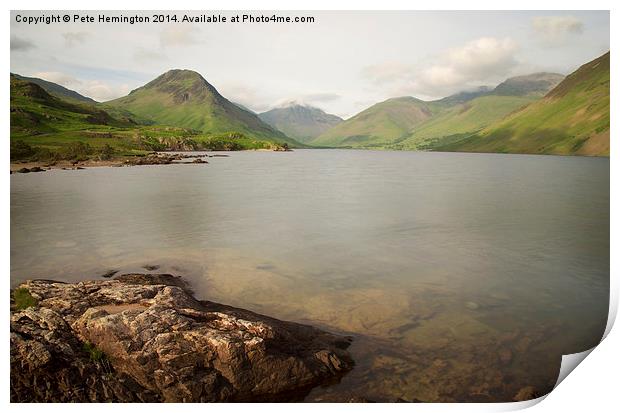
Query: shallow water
461,276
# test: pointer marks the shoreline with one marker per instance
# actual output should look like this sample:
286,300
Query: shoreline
146,338
176,157
154,158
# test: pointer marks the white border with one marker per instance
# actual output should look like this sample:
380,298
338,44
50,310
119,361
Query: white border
592,387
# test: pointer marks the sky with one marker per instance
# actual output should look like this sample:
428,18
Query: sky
343,62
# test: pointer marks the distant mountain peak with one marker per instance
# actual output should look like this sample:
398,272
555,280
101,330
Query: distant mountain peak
535,83
183,85
183,98
299,120
465,95
180,74
293,103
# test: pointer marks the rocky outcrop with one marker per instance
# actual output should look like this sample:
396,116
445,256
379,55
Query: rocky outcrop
146,338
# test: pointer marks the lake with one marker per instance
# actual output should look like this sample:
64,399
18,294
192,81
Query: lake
462,277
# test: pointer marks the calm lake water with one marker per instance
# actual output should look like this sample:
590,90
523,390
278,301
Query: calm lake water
461,276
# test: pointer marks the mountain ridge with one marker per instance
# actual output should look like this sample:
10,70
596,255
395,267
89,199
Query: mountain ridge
56,89
184,98
390,119
572,118
301,122
416,123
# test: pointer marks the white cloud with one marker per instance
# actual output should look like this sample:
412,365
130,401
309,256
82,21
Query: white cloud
19,44
173,36
60,78
321,97
73,38
144,55
556,30
387,72
101,91
481,61
307,99
246,96
262,101
95,89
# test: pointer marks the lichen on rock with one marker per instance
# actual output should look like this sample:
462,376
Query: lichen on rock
162,345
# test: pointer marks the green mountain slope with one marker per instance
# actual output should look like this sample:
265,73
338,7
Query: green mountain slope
46,128
537,84
378,125
183,98
56,90
468,116
461,120
573,118
300,122
465,96
34,111
412,124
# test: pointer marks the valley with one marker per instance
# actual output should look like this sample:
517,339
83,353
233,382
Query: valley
539,113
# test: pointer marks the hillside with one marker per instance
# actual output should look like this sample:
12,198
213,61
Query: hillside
461,120
47,128
537,84
465,96
466,117
56,90
300,122
34,111
412,124
378,125
183,98
573,118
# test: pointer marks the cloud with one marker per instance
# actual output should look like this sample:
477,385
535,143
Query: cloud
246,96
95,89
308,99
387,72
478,62
320,97
174,36
73,38
556,30
143,55
20,45
102,92
261,101
59,77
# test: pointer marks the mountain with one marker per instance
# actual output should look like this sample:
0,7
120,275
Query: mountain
462,97
470,112
45,128
534,84
34,111
461,120
409,123
573,118
56,90
300,122
183,98
380,124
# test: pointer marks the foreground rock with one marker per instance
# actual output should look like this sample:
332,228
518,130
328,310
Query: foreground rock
146,338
